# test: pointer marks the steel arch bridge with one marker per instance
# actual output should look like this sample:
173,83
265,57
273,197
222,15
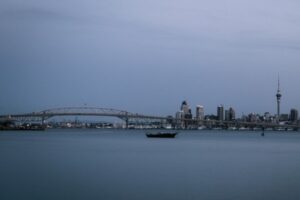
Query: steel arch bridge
41,116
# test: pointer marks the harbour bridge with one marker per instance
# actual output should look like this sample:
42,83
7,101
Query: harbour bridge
44,115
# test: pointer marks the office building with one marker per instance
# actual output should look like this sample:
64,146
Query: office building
184,107
227,115
220,113
284,117
199,112
231,114
187,112
293,115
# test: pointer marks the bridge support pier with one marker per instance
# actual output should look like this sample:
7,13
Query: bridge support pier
126,123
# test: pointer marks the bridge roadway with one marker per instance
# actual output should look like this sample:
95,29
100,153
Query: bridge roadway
126,116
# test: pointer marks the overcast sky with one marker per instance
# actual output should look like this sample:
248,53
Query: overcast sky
148,56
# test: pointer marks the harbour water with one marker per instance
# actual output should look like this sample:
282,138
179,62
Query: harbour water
125,164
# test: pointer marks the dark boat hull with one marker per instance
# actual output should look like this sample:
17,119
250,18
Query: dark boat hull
161,135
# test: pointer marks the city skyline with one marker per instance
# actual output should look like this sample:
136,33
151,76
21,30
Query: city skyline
221,109
223,114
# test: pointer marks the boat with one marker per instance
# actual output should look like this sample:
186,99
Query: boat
244,129
161,135
232,128
168,127
201,127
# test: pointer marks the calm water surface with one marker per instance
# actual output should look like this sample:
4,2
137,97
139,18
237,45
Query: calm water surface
124,164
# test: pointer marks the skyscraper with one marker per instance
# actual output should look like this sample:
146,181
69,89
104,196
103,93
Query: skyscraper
220,112
199,112
231,114
179,116
278,97
227,115
294,115
185,108
187,113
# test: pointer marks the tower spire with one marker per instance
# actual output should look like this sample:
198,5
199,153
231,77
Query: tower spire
278,90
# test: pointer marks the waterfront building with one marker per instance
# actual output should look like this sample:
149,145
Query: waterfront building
185,108
293,115
284,117
231,114
170,119
252,117
227,115
179,116
267,117
199,112
220,112
187,112
244,117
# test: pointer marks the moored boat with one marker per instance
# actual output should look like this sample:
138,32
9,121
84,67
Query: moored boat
161,134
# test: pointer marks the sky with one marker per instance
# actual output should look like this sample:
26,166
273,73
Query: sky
148,56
